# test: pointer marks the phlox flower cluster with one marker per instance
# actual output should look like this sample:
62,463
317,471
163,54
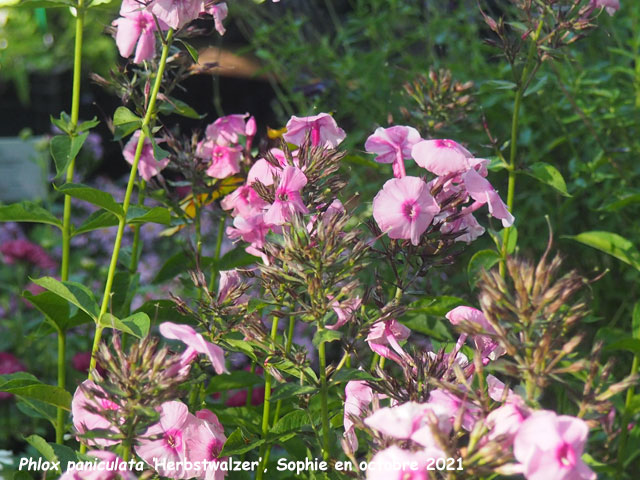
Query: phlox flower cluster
541,443
254,217
406,206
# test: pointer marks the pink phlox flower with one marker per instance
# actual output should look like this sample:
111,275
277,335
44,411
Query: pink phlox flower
411,421
448,402
393,145
482,192
136,29
505,421
487,347
225,130
611,6
205,437
252,229
465,223
442,157
344,311
219,12
243,201
194,340
148,165
550,446
166,440
404,208
250,130
86,412
9,363
111,467
324,130
287,198
499,392
176,13
263,171
389,332
358,396
224,158
229,281
394,463
22,250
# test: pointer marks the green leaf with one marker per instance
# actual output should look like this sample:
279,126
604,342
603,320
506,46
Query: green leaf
349,374
137,324
160,311
192,51
125,122
173,105
75,293
25,385
93,196
41,445
612,244
513,239
549,175
615,205
27,212
63,123
54,308
326,336
482,260
289,390
426,316
174,266
88,125
635,321
95,221
138,215
238,443
37,409
233,380
292,422
630,344
65,148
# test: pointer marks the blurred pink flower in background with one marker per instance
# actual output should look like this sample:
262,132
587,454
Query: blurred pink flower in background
9,363
22,250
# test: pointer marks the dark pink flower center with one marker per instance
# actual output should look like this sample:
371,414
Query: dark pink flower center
445,143
108,404
565,455
410,210
283,195
173,439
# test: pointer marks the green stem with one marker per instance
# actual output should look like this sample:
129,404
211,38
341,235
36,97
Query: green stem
287,349
250,389
135,257
62,380
324,394
513,150
215,270
626,417
127,199
264,451
66,216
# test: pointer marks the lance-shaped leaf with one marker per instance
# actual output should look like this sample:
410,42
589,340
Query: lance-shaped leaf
73,292
549,175
65,148
611,243
27,212
137,324
93,196
25,385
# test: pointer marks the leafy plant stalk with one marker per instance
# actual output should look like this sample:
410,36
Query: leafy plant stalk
66,216
135,257
127,199
513,148
266,407
324,394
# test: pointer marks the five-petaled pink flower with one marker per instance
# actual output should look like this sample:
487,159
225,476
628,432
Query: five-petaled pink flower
487,347
389,333
324,130
393,145
225,130
166,440
225,159
550,446
148,165
176,13
442,157
136,29
9,363
195,342
89,413
404,208
205,438
287,199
